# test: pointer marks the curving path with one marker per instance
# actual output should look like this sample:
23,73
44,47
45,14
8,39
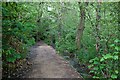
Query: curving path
48,64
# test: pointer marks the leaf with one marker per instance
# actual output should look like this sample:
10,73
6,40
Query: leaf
91,71
96,58
117,40
101,67
95,68
115,52
90,66
95,77
107,56
96,62
91,61
115,57
113,76
8,52
116,71
112,45
117,48
102,59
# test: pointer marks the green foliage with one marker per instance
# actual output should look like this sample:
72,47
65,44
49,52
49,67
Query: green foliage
17,33
107,64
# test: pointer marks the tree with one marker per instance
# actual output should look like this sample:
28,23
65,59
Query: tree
81,25
97,29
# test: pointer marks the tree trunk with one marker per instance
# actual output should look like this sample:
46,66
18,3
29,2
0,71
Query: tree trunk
81,26
98,27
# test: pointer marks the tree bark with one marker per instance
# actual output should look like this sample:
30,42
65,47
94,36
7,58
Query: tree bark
98,27
81,25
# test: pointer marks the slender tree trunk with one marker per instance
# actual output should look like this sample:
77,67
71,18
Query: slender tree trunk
81,25
97,28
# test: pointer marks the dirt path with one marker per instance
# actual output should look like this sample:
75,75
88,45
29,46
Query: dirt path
48,64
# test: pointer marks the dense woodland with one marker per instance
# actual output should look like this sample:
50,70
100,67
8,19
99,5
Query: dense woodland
85,33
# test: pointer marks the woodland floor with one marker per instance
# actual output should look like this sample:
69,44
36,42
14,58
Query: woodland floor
45,63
